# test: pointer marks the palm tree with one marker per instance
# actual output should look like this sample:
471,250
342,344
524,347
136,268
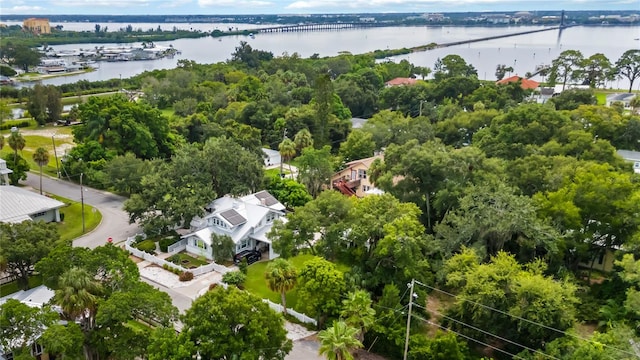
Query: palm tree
287,151
281,277
303,139
41,157
338,341
16,142
78,295
357,312
1,142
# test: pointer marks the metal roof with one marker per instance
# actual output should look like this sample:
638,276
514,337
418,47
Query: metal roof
17,203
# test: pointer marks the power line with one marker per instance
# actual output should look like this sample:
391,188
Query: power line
486,332
467,337
523,319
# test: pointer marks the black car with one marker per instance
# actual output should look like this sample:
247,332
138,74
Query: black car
251,256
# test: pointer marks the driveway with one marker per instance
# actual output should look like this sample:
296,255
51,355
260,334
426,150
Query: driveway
115,221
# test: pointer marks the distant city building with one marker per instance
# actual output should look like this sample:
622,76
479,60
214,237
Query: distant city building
37,25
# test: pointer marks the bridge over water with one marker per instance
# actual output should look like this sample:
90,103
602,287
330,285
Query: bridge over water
320,27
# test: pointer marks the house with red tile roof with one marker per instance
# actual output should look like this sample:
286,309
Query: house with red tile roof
526,84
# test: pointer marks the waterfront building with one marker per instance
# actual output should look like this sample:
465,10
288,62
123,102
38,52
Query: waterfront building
37,25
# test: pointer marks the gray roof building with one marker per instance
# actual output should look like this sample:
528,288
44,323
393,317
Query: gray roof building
18,205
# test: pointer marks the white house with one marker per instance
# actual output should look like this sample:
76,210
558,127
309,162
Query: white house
4,172
18,205
271,157
245,220
632,157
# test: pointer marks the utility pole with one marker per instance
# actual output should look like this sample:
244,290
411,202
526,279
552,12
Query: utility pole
82,200
284,136
406,339
55,153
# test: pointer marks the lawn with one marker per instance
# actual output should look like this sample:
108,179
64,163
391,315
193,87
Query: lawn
12,287
32,142
257,285
71,227
275,172
601,98
187,261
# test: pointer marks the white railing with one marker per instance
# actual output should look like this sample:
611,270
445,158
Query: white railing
156,260
302,317
177,247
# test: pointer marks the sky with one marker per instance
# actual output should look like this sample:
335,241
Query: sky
242,7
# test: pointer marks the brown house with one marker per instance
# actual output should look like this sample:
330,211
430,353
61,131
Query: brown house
354,179
37,25
401,82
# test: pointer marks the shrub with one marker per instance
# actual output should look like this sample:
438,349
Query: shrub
18,123
243,266
147,246
166,242
186,276
236,278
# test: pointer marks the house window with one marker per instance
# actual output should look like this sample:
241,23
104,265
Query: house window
36,349
219,223
353,175
365,187
243,244
201,244
601,258
39,214
270,217
362,174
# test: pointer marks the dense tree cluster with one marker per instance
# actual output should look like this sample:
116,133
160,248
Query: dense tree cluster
494,201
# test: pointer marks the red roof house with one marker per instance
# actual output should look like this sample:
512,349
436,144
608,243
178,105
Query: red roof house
526,84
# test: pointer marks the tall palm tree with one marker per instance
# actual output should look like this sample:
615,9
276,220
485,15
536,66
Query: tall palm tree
1,142
281,277
78,295
287,150
17,142
303,139
357,311
41,157
337,342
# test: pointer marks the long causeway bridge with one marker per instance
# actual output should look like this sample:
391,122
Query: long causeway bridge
318,27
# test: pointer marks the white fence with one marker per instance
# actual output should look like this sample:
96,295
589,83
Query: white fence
177,247
206,269
302,317
156,260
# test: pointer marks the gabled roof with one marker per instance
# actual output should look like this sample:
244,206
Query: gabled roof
629,155
17,205
243,214
526,84
366,161
401,81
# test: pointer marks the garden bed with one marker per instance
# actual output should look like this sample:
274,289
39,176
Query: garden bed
186,261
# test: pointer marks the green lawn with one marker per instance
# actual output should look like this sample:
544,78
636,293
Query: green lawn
257,285
12,287
187,261
601,98
32,142
71,227
168,113
275,172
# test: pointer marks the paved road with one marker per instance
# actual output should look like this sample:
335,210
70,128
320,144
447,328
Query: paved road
115,222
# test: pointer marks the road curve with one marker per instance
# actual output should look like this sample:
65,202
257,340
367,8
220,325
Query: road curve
115,221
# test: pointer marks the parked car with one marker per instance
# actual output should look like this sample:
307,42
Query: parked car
251,256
